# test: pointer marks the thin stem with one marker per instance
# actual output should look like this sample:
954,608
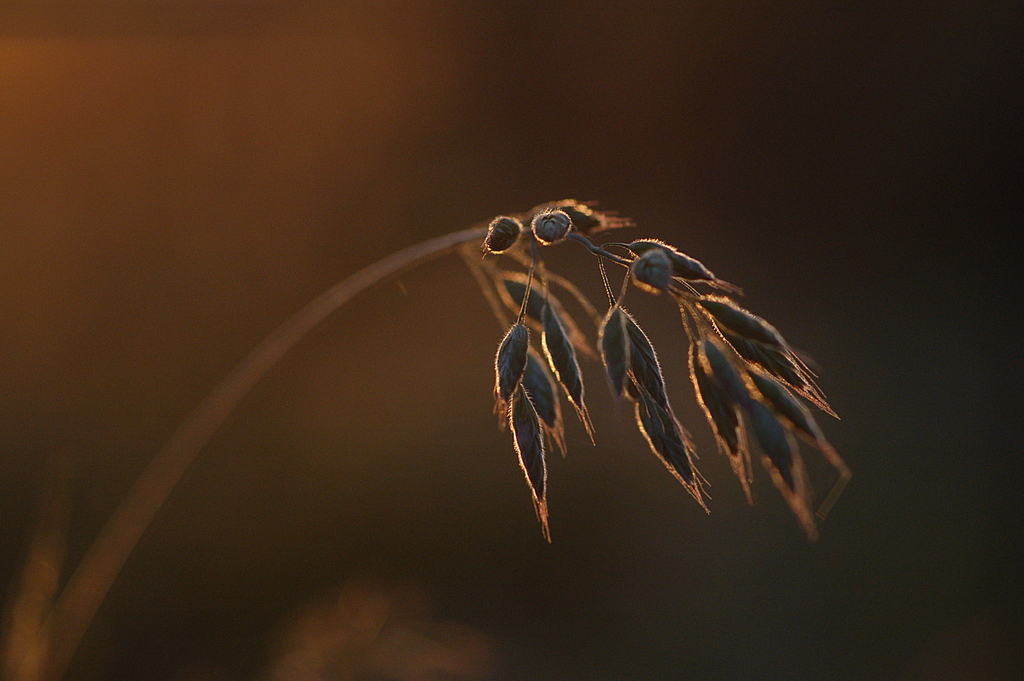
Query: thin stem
529,282
607,284
473,264
92,579
597,250
563,283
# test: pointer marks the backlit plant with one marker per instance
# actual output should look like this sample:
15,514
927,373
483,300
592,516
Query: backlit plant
748,381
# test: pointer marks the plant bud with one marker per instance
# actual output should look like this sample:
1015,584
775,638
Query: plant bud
652,271
551,226
502,234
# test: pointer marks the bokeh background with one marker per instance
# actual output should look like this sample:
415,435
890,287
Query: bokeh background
176,178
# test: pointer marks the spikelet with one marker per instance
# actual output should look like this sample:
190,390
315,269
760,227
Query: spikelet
502,234
781,363
614,342
799,418
562,360
528,440
584,218
509,364
644,368
725,373
654,416
774,439
669,442
724,417
652,271
683,266
783,462
733,317
540,386
550,226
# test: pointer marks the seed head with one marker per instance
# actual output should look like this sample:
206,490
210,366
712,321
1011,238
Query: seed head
652,271
502,234
551,226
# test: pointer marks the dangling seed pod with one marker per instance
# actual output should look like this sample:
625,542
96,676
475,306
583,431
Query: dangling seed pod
540,387
528,439
726,374
652,271
551,226
643,364
799,417
562,360
733,317
502,234
510,363
615,346
724,417
782,458
684,266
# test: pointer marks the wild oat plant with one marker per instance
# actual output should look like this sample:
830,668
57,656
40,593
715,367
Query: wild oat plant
748,381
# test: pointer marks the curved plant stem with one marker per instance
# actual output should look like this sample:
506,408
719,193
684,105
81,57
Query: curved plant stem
89,584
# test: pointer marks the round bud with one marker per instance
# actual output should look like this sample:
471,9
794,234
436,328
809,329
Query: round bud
652,271
502,234
551,226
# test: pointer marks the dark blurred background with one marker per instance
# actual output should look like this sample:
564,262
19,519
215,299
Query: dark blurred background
176,178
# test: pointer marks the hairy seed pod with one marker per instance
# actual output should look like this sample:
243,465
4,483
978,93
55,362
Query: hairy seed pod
668,441
683,266
733,317
652,271
787,406
510,362
502,234
562,360
643,363
726,374
551,226
585,219
780,363
529,444
724,418
614,341
783,461
540,386
784,403
775,442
